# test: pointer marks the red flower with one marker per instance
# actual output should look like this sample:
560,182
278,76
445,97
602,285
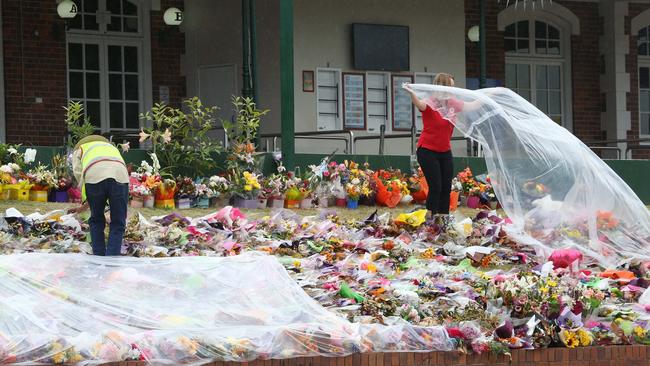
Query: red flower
455,333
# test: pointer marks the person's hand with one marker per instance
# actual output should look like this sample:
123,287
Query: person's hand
407,87
79,209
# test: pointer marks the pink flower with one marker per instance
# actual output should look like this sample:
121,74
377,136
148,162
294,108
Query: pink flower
326,174
167,136
143,136
125,146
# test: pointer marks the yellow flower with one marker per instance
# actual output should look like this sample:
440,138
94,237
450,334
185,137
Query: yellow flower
543,290
584,337
552,283
640,332
248,188
296,264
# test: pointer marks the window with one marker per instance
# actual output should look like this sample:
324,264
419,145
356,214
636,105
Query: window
354,101
402,104
377,100
643,44
105,63
535,63
328,95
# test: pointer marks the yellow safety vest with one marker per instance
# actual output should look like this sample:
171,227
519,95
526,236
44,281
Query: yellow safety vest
93,153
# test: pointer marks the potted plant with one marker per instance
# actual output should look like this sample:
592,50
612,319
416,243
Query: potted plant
164,195
246,190
220,187
353,190
185,193
42,180
203,194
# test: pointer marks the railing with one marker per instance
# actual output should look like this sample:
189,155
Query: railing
315,135
413,135
618,150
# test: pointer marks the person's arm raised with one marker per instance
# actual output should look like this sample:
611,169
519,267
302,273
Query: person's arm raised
419,103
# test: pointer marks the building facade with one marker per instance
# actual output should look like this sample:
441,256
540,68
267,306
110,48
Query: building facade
584,63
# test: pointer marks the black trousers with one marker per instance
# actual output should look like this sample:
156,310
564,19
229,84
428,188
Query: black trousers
438,170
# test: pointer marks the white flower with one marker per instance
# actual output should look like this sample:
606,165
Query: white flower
12,151
6,169
15,167
156,162
30,156
356,181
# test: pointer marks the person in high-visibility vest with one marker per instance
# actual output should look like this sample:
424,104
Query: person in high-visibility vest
102,177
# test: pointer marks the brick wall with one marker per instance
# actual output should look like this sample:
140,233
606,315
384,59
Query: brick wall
167,46
585,72
35,66
587,356
632,67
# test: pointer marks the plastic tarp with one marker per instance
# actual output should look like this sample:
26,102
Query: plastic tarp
557,192
76,308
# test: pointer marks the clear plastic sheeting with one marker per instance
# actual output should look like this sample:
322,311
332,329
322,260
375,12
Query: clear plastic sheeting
80,309
557,192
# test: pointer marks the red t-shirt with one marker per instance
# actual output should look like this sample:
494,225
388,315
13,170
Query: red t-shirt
437,131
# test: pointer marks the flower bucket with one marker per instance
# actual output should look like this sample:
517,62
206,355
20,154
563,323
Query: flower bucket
323,202
167,204
61,196
137,202
275,203
220,202
453,200
20,194
291,204
262,203
38,196
148,202
463,200
5,193
306,204
342,202
183,203
473,202
353,204
245,203
202,202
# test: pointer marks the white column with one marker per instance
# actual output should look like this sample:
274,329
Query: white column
615,82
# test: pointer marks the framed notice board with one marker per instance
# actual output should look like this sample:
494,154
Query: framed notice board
403,115
354,101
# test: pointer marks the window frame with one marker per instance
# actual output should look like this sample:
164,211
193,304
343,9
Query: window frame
533,58
338,122
388,121
142,40
364,102
392,99
642,61
103,15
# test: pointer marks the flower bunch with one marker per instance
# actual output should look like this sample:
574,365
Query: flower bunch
203,191
42,178
576,338
219,185
185,187
353,189
247,186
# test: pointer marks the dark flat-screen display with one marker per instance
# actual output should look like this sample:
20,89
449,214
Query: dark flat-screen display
380,47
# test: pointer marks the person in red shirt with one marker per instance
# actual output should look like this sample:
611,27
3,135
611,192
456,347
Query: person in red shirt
434,147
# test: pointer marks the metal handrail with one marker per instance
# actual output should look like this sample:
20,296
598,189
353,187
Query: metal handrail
382,136
618,150
635,147
349,140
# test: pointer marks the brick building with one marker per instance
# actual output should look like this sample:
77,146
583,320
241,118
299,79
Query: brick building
585,63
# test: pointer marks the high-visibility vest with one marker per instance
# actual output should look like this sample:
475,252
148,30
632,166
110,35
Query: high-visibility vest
96,152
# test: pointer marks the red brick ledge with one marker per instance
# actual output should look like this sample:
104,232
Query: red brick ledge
589,356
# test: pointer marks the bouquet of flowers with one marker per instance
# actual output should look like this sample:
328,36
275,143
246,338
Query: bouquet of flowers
185,188
247,186
42,178
203,191
219,185
353,189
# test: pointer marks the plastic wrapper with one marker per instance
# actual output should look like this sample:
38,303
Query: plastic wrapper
68,308
389,198
556,191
